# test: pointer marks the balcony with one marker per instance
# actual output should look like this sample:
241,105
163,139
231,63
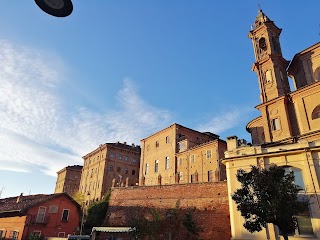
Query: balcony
40,220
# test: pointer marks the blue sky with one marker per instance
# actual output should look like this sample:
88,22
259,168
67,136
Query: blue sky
122,70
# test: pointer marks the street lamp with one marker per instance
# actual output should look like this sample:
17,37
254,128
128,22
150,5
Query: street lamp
82,219
57,8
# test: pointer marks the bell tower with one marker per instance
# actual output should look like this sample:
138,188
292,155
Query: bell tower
269,65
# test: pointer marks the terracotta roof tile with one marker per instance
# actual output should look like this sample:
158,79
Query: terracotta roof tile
12,204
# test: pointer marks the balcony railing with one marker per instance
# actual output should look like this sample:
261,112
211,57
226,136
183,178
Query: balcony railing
40,220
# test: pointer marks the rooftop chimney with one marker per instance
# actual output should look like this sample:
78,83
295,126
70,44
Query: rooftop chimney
232,143
19,199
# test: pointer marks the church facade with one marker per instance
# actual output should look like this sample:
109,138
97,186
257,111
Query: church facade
288,131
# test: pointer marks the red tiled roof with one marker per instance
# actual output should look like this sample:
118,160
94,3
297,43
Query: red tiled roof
12,204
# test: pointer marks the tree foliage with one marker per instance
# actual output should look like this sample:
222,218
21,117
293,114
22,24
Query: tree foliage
175,222
97,213
268,196
35,236
78,197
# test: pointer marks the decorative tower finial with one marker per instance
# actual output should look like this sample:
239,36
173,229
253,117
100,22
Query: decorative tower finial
259,8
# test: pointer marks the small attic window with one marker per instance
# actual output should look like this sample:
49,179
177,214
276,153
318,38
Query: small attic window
316,113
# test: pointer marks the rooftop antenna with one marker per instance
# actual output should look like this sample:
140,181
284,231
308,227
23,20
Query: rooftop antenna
259,8
1,191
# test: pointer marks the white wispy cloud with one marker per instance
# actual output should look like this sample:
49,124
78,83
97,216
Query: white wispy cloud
231,117
37,131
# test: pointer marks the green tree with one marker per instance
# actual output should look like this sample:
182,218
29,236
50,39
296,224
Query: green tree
163,224
268,196
143,227
191,226
97,213
78,197
34,236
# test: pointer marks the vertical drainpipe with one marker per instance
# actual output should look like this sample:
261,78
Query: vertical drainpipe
201,168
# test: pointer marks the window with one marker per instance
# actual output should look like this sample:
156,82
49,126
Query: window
210,176
316,113
208,153
65,215
156,165
41,215
167,139
61,234
134,161
194,177
317,74
147,169
37,233
127,158
157,144
126,171
192,158
53,209
275,124
180,161
262,43
268,76
167,163
133,172
110,167
304,224
13,235
112,155
2,234
118,169
119,156
298,180
180,176
182,146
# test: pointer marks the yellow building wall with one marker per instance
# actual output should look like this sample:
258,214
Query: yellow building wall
305,102
104,166
301,155
156,148
197,160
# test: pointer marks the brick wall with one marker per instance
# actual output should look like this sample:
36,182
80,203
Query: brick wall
209,201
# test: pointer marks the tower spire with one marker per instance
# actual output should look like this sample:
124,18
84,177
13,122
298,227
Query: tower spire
270,66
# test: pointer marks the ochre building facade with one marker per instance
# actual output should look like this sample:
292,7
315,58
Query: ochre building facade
288,131
110,165
178,154
68,180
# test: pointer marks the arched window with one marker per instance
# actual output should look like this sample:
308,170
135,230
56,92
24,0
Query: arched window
263,44
297,175
268,76
316,112
316,74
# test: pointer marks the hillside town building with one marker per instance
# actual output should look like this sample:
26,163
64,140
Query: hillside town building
178,154
110,165
288,131
54,215
68,180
